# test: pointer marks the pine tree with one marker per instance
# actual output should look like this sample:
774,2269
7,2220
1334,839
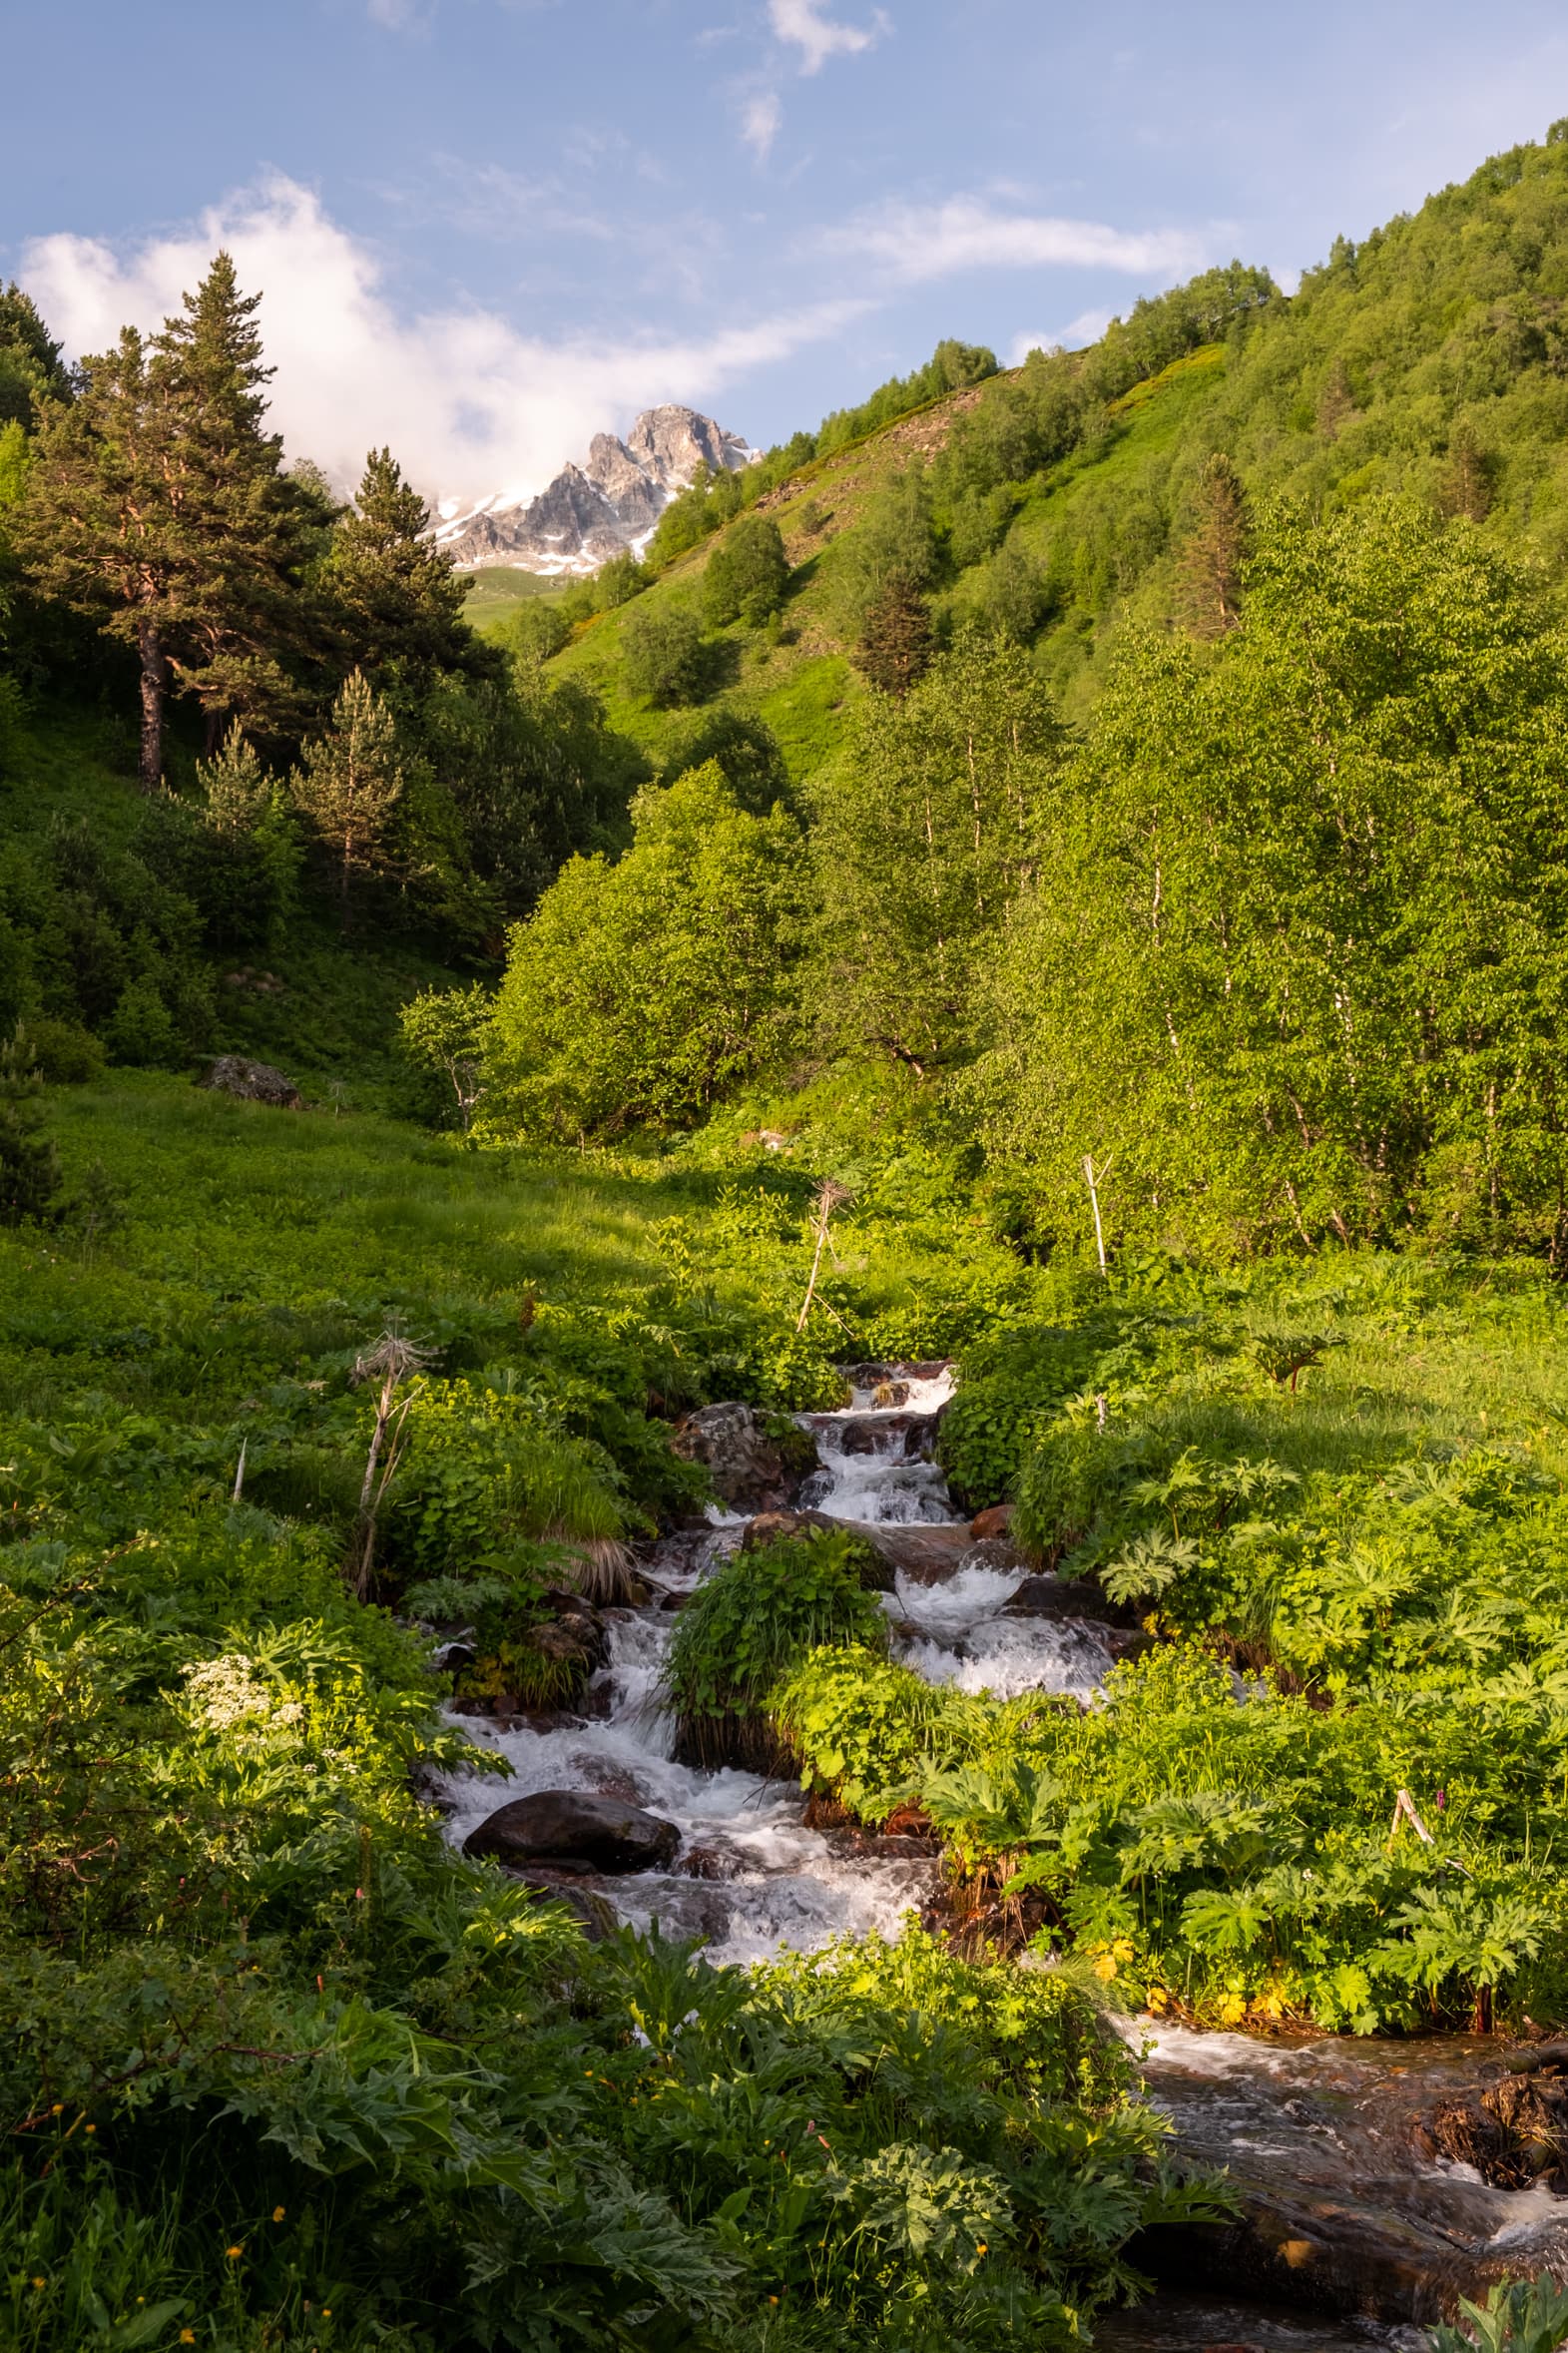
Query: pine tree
1466,486
94,525
28,1163
237,521
1209,566
157,504
236,787
351,783
393,598
31,369
896,644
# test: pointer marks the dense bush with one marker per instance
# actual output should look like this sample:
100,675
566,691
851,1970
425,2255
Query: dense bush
641,992
746,574
750,1621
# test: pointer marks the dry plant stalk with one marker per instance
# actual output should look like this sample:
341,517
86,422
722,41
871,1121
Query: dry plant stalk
830,1196
391,1362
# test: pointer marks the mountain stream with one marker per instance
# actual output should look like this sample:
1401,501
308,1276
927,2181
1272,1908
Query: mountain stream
1349,2233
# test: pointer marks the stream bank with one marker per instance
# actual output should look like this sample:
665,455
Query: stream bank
1348,2209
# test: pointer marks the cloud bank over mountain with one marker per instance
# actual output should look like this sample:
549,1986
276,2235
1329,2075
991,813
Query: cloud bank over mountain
465,399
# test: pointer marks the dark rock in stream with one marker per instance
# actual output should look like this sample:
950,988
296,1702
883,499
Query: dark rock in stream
1344,2210
569,1825
537,1719
711,1862
1048,1596
594,1912
871,1378
927,1552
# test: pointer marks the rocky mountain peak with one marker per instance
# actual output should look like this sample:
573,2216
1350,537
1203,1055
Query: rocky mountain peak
593,511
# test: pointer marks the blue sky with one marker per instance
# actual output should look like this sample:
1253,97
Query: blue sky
485,229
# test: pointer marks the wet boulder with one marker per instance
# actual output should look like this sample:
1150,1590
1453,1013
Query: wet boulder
253,1082
780,1528
1062,1597
733,1443
570,1825
927,1553
996,1522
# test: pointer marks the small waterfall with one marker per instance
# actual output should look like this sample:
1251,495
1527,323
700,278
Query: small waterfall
748,1876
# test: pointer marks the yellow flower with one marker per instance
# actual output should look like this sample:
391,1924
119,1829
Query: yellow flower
326,2311
233,2253
979,2246
40,2283
58,2110
1105,1966
278,2213
92,2127
187,2336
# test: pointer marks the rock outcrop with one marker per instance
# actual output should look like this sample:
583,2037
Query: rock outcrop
594,511
732,1443
253,1082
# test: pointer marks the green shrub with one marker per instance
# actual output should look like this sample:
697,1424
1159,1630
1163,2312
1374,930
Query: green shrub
751,1620
61,1053
746,574
140,1029
663,657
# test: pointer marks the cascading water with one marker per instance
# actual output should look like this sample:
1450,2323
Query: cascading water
1343,2212
748,1877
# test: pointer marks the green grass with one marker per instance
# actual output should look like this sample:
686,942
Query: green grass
496,590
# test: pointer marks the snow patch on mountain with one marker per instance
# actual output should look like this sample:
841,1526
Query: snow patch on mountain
593,511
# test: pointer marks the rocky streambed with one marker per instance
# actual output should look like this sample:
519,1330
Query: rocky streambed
1375,2178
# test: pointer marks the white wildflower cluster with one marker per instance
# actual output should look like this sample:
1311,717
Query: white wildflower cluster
225,1695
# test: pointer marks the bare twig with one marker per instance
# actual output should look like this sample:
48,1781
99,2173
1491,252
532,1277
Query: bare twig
1092,1177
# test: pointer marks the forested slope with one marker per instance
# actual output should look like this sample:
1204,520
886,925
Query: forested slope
1056,500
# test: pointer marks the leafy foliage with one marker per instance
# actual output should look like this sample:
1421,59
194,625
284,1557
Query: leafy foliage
639,993
754,1617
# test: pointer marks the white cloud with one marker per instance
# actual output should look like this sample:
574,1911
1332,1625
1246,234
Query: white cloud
1087,328
468,405
761,117
916,242
804,25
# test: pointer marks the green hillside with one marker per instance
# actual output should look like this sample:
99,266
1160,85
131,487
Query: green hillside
1427,359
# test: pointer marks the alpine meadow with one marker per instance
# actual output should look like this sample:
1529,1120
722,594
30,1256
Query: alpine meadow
785,1342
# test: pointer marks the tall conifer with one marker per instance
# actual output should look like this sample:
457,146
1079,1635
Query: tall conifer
158,503
896,644
94,526
237,521
395,598
349,783
1208,567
